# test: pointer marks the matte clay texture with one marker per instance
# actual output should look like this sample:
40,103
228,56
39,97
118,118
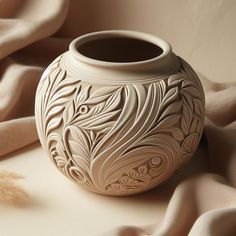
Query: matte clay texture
125,122
31,37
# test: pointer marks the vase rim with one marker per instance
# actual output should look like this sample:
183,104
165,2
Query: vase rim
162,44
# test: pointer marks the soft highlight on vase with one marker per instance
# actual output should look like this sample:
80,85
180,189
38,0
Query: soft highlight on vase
119,112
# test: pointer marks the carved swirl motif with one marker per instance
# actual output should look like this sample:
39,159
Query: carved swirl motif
121,139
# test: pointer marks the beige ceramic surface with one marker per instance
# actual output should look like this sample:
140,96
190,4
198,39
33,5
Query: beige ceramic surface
117,127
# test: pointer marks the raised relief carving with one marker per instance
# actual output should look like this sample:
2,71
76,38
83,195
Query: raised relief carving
119,139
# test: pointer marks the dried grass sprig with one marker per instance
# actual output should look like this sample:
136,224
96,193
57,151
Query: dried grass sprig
9,175
10,192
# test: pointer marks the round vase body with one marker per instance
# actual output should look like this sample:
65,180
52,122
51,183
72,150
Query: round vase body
119,112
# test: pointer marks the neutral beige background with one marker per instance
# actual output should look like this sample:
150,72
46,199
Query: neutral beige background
202,31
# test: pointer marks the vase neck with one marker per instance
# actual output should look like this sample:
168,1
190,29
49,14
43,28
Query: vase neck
92,70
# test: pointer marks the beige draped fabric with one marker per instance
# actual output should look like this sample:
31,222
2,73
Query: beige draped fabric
34,32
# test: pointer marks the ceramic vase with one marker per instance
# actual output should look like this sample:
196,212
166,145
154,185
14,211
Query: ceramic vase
119,112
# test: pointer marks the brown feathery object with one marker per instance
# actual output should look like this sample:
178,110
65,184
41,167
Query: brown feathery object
10,192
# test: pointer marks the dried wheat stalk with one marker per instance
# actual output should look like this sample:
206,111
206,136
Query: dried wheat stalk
11,192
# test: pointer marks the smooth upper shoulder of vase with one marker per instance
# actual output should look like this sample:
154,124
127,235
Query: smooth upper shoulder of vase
111,76
119,75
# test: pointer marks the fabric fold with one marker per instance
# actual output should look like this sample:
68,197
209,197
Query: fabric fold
33,20
23,23
34,32
18,133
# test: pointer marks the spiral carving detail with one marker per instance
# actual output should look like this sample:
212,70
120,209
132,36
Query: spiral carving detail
119,139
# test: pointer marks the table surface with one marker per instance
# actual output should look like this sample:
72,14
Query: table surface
59,207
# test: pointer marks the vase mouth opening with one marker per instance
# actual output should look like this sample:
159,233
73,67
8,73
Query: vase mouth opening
119,48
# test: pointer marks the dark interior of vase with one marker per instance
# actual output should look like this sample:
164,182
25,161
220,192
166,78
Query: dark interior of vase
119,49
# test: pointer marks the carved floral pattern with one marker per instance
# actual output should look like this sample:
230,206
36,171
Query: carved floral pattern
119,139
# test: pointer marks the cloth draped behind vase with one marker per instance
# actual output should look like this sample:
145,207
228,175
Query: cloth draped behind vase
33,33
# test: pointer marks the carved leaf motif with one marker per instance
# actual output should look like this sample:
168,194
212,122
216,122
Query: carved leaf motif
100,116
60,148
193,126
59,77
92,135
60,161
136,158
56,96
79,146
67,83
113,101
169,109
173,108
100,95
120,138
80,161
54,65
162,88
63,92
143,169
80,136
190,143
191,90
169,113
185,120
52,114
69,112
83,94
99,121
170,120
53,124
125,180
55,111
188,99
141,174
187,112
170,96
116,187
76,174
175,80
177,134
57,102
167,152
187,83
197,106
